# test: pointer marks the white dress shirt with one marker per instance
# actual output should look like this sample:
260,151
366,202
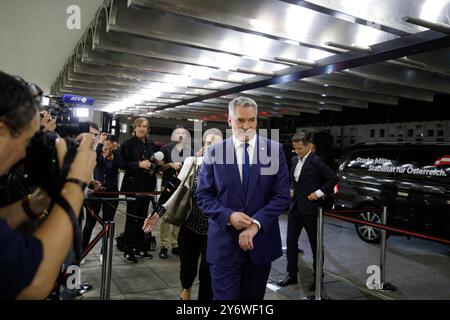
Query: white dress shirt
239,147
298,171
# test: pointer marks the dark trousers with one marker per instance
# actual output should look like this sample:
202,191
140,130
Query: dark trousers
192,246
108,209
244,281
133,234
296,222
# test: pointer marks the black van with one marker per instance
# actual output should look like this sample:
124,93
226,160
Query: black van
412,180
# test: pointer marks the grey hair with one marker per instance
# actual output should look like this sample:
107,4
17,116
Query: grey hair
242,102
213,131
303,137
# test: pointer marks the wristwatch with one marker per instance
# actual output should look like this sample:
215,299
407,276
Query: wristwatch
81,184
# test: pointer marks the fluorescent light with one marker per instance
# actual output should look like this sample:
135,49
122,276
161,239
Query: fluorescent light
82,112
295,43
250,57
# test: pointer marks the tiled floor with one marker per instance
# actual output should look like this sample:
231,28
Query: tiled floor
157,279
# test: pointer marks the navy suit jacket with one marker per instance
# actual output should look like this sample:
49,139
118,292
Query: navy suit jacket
315,175
220,193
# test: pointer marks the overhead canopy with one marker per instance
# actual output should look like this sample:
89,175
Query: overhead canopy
188,59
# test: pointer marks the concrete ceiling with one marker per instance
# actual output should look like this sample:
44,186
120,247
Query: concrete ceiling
187,59
35,41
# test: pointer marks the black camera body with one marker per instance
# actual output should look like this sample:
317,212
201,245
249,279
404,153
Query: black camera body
42,168
67,124
111,137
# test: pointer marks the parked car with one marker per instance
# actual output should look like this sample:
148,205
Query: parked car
412,180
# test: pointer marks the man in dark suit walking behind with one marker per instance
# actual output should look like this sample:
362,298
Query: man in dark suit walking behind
311,180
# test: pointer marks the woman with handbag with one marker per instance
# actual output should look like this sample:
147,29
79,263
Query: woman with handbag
192,237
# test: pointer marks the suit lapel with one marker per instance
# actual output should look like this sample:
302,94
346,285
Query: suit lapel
306,165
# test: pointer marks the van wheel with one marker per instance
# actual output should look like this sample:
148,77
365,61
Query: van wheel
368,233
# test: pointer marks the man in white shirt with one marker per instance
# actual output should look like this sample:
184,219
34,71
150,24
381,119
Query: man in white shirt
311,180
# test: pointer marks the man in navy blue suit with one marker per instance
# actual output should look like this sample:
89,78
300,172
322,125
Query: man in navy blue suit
311,180
243,187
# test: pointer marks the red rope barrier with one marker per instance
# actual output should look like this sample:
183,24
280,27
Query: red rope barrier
358,210
393,229
127,193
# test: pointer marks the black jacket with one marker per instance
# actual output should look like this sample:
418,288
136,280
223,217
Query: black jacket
136,179
107,171
167,149
315,175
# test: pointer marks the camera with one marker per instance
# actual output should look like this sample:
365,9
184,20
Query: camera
42,168
111,137
60,109
66,123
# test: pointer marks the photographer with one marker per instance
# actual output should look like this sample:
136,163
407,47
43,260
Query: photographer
109,161
30,264
139,177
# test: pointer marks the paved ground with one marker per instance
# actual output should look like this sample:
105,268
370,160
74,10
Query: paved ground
419,268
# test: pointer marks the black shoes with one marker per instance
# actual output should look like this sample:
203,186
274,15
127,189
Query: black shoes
289,279
143,254
163,253
85,287
131,258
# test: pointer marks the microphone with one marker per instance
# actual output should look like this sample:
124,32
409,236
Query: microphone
158,156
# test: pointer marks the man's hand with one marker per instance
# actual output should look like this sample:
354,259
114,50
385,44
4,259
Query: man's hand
103,138
114,146
246,237
240,220
48,123
95,185
150,222
313,197
145,164
175,165
292,193
84,163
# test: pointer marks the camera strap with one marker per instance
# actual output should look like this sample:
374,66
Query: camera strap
59,200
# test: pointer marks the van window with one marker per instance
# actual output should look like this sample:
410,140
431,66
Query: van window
425,165
375,162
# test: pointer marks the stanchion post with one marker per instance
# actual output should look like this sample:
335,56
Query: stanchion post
385,286
104,246
319,254
383,247
109,253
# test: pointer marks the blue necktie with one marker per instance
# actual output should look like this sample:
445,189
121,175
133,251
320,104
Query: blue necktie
245,169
